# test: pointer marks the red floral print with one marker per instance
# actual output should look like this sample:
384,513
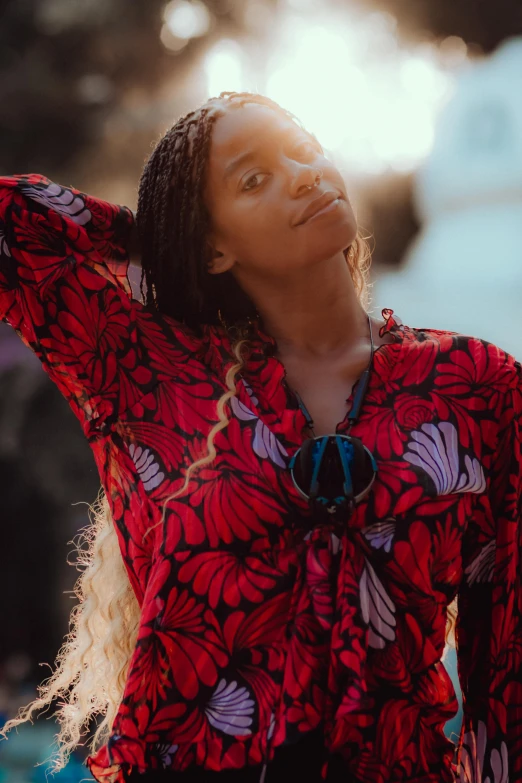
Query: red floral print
257,623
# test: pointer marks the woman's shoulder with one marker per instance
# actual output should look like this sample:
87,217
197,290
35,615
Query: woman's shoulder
470,356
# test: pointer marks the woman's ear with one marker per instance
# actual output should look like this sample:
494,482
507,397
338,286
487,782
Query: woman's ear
219,262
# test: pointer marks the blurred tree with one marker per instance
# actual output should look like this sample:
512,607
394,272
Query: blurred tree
46,465
65,66
70,65
28,573
387,211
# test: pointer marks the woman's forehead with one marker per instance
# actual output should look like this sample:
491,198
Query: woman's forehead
241,124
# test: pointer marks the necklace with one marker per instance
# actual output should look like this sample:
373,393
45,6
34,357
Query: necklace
359,395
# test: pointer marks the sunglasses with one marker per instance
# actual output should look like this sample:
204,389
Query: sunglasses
333,472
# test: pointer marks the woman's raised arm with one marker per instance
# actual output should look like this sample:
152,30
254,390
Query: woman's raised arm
64,288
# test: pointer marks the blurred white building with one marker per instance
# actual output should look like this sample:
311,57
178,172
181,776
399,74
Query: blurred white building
464,269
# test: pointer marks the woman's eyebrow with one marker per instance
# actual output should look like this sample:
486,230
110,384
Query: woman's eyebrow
249,154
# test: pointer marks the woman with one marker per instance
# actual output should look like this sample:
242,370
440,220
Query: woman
261,600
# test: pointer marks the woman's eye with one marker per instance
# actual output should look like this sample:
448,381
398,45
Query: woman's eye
250,180
313,148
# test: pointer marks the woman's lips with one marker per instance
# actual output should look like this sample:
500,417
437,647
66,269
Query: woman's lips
331,207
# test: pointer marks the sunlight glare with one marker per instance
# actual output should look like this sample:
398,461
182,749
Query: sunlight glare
187,19
361,94
224,68
369,99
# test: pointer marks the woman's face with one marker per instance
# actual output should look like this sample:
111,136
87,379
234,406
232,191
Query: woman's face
255,201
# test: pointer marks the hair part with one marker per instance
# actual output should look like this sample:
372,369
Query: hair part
172,223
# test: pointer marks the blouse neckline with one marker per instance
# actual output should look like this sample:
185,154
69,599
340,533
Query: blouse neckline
265,345
261,386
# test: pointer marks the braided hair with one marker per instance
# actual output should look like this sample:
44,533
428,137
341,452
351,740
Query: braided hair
173,223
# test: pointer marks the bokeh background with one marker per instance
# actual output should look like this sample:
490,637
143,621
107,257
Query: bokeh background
419,103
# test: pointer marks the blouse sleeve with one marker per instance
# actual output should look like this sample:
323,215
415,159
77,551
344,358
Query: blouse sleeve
64,289
489,625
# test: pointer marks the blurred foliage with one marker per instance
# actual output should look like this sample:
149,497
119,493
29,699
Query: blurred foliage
66,65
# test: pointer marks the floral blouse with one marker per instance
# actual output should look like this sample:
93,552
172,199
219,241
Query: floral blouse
257,624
